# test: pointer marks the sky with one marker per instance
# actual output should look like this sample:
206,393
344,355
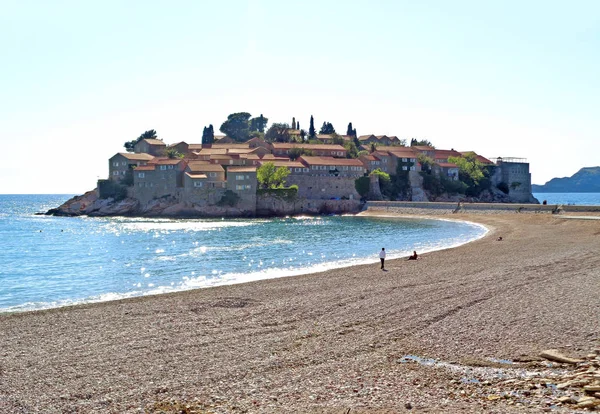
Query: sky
502,78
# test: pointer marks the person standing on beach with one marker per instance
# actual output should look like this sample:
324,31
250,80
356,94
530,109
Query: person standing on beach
382,257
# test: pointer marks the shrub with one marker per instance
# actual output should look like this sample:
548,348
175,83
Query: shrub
362,186
111,189
503,187
229,199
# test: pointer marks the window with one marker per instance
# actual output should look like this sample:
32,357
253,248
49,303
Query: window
230,162
247,177
115,173
315,167
404,159
412,168
115,163
124,163
163,167
305,169
212,174
141,175
404,168
243,187
197,183
170,167
239,177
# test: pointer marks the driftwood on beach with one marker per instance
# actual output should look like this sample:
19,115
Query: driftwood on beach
454,331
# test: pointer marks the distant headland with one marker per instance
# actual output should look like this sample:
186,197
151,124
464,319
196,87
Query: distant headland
586,180
252,170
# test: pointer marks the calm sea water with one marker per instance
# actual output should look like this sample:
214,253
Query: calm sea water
580,199
56,261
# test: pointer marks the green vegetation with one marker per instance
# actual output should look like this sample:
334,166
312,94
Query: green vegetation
278,133
110,189
150,134
229,199
426,162
503,187
237,126
296,153
421,142
362,185
351,132
327,128
258,124
270,177
173,153
311,130
286,194
351,149
473,173
208,135
438,185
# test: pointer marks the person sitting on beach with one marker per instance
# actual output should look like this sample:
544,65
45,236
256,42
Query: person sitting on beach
414,256
499,238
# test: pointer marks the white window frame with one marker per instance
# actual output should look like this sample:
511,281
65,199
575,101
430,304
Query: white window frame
141,175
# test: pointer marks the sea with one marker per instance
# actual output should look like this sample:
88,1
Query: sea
48,262
579,199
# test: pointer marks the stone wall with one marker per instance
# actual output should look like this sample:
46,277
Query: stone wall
412,207
270,205
323,188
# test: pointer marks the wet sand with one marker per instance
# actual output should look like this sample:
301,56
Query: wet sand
325,342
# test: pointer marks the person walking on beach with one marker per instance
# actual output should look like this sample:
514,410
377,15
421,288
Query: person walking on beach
382,257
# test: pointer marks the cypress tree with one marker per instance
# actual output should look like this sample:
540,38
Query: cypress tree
293,123
349,130
311,130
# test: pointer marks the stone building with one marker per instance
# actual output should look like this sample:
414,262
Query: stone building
150,146
123,162
514,172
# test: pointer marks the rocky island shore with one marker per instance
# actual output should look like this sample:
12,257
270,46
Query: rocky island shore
467,329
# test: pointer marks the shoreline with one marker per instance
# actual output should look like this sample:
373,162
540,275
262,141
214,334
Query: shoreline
252,277
320,342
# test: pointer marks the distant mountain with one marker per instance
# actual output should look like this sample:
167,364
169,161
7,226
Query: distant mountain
586,180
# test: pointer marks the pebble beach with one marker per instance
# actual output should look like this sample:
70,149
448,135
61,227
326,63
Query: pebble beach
460,330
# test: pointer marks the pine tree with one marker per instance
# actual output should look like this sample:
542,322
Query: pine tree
311,130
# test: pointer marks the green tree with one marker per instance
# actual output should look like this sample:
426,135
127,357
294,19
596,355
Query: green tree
237,126
296,153
208,135
258,124
362,185
270,177
336,139
349,130
293,123
473,173
351,149
173,153
312,133
302,135
327,128
150,134
422,142
426,163
385,182
278,133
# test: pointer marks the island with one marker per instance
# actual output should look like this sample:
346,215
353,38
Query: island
286,170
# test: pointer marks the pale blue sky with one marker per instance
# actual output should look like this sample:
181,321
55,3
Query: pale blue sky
502,78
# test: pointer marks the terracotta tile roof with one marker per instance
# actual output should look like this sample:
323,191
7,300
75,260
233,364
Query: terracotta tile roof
284,145
423,148
324,136
194,147
447,165
402,152
211,151
293,131
241,169
283,163
177,143
221,157
273,157
194,165
366,137
145,167
381,136
166,161
136,156
240,145
251,156
331,161
447,153
196,176
241,150
155,142
480,158
369,157
207,167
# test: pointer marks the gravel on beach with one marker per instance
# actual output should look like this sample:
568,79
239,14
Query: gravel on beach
458,330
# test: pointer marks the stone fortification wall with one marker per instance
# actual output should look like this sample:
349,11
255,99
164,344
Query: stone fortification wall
518,178
412,207
270,205
323,188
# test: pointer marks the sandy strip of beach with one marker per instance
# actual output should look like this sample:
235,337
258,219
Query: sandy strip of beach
326,342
